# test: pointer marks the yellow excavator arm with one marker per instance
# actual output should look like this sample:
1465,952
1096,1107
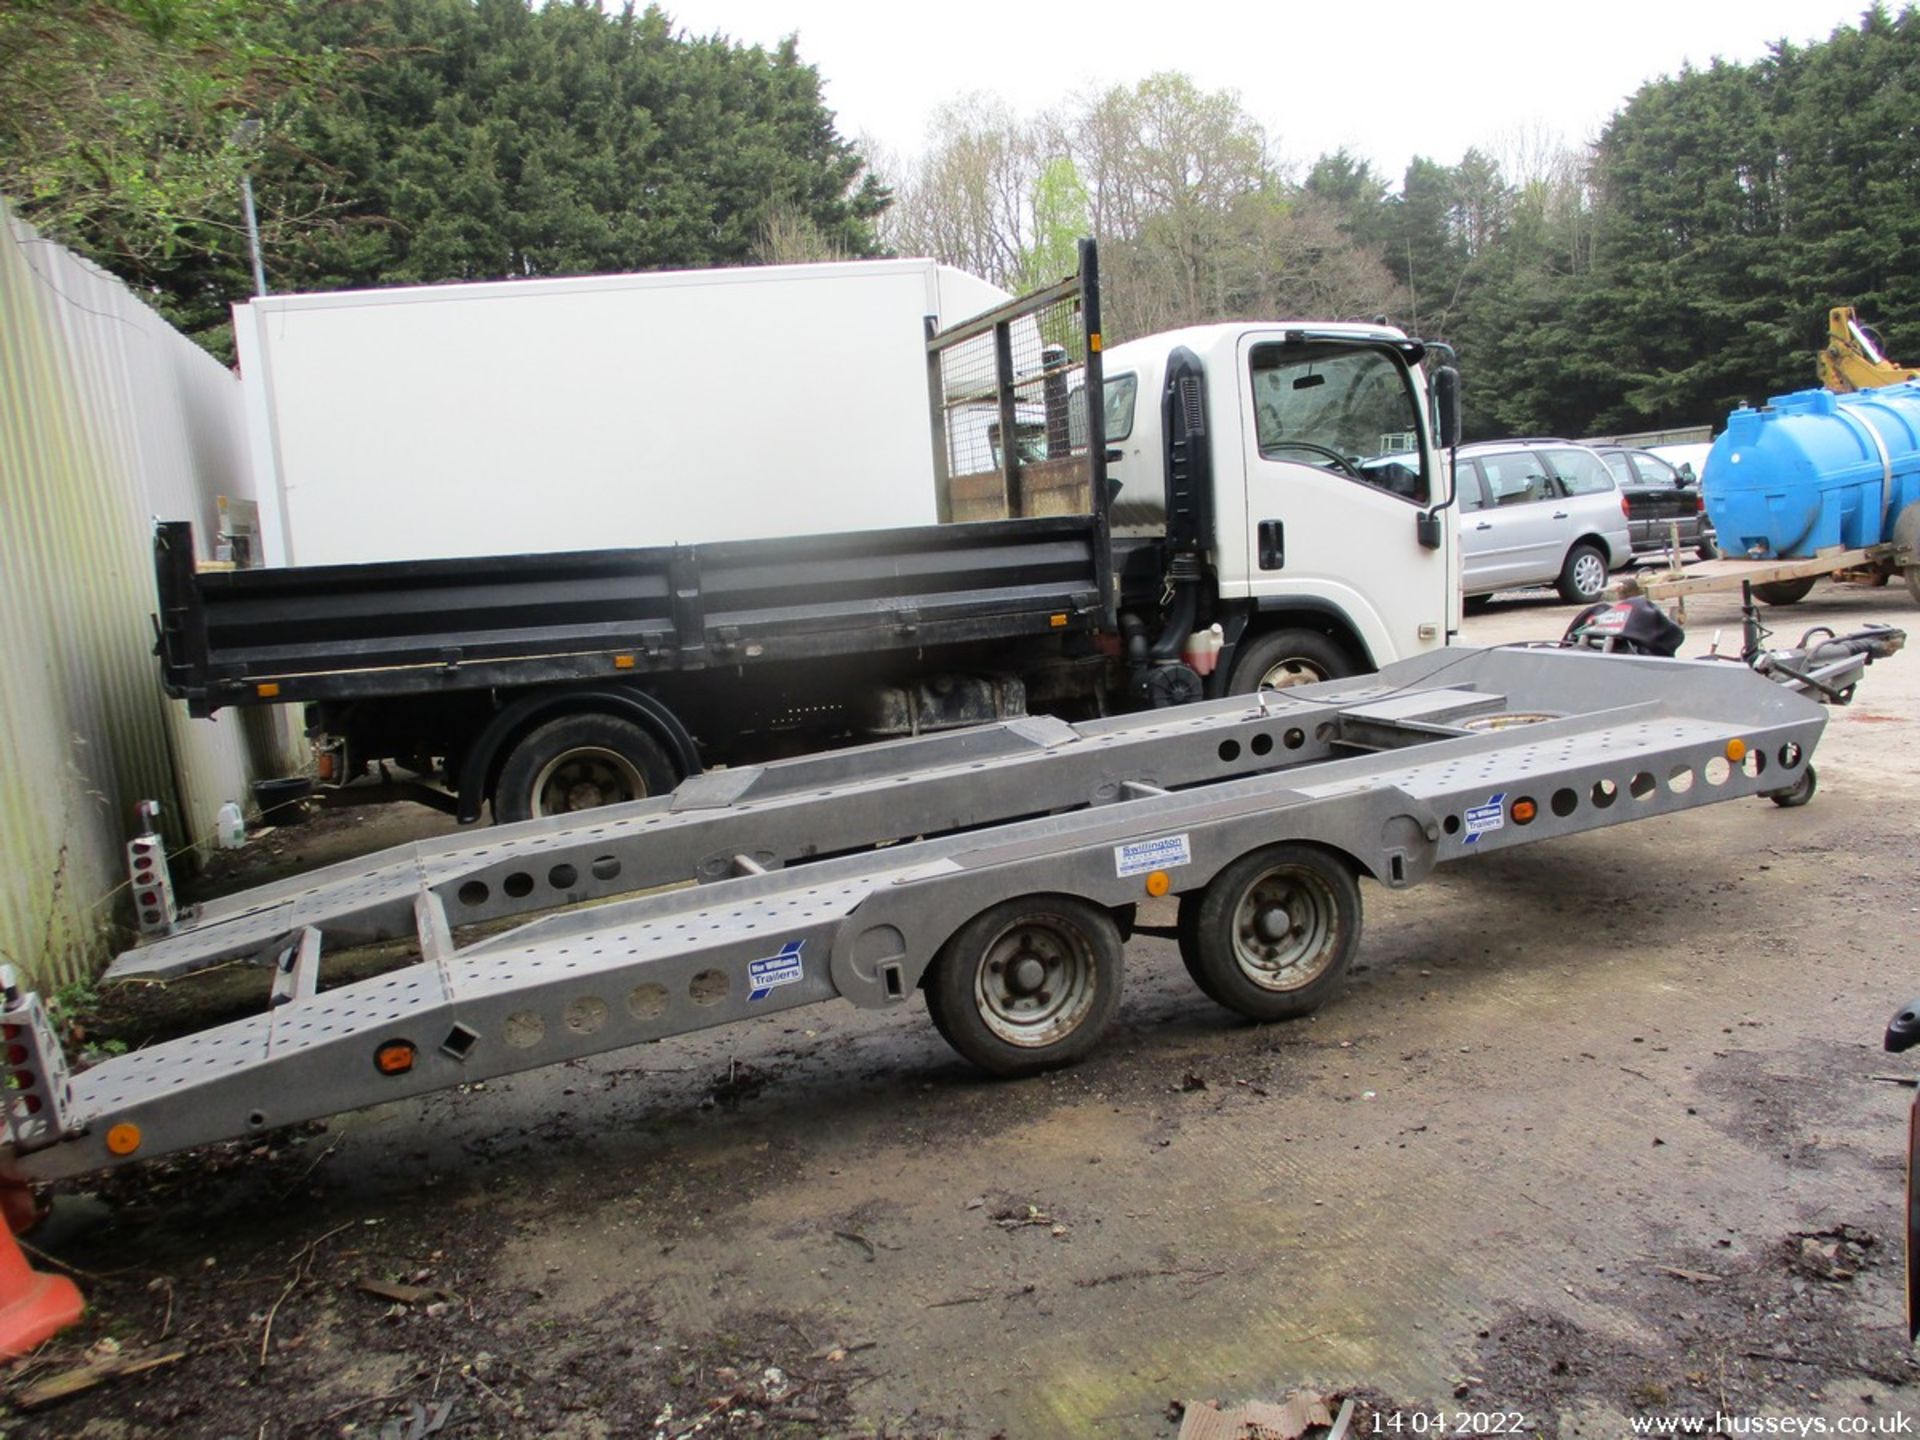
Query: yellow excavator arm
1852,360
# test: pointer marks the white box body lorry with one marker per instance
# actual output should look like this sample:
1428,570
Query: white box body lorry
527,417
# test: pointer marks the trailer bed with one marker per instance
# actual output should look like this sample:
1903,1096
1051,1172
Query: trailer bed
844,876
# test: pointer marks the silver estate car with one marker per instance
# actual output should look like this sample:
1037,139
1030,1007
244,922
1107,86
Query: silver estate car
1539,512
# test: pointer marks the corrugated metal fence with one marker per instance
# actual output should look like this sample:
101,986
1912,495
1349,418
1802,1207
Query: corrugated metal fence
108,418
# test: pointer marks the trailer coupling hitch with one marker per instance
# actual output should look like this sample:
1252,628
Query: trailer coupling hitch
1829,665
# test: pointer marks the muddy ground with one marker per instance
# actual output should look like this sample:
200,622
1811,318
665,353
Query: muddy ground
1596,1132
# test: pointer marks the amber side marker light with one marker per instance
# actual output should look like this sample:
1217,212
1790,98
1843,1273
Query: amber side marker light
1736,750
124,1138
1158,882
266,689
394,1058
1523,811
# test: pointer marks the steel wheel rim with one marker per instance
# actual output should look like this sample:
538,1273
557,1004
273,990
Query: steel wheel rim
1036,981
1286,927
1294,670
586,778
1589,573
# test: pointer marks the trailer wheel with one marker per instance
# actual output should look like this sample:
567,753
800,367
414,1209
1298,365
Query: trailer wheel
580,762
1281,658
1798,793
1786,592
1028,985
1272,935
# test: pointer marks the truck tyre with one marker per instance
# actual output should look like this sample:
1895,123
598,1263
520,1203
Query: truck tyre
1786,592
1028,985
1583,575
1283,658
1272,935
579,762
1708,548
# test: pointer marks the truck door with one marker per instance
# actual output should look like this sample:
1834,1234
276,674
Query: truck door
1337,478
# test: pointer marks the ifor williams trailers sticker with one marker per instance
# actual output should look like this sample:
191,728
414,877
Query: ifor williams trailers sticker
770,974
1484,819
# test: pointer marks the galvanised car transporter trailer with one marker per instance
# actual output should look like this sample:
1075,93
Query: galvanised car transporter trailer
997,869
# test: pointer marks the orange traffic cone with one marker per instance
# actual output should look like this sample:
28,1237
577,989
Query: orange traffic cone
32,1306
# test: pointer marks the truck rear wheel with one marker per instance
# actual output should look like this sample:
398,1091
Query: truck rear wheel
1272,935
1028,985
1786,592
580,762
1282,658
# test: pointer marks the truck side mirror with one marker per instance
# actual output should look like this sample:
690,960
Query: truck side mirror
1446,405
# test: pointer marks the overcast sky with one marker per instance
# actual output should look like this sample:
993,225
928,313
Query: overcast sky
1385,78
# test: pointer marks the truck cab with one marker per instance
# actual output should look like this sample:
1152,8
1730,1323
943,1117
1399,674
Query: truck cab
1322,530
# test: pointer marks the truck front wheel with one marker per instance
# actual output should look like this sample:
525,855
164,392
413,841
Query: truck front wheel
579,762
1281,658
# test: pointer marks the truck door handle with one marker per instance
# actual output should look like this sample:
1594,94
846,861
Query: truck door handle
1559,514
1484,525
1272,536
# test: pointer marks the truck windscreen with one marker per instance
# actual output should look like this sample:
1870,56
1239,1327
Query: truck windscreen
1346,408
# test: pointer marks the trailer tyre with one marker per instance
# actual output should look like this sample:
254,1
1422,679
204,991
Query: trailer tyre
1786,592
1273,934
1028,985
1282,658
580,762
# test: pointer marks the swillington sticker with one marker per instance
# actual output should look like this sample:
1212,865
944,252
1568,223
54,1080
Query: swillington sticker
1482,819
1144,855
771,973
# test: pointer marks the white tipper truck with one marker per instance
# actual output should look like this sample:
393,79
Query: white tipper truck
552,544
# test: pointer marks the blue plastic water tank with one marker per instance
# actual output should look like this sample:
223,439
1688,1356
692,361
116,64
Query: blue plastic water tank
1812,470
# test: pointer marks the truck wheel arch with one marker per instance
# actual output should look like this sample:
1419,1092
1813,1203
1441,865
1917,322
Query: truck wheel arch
480,766
1293,614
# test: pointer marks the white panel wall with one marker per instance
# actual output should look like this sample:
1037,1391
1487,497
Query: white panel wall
108,418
